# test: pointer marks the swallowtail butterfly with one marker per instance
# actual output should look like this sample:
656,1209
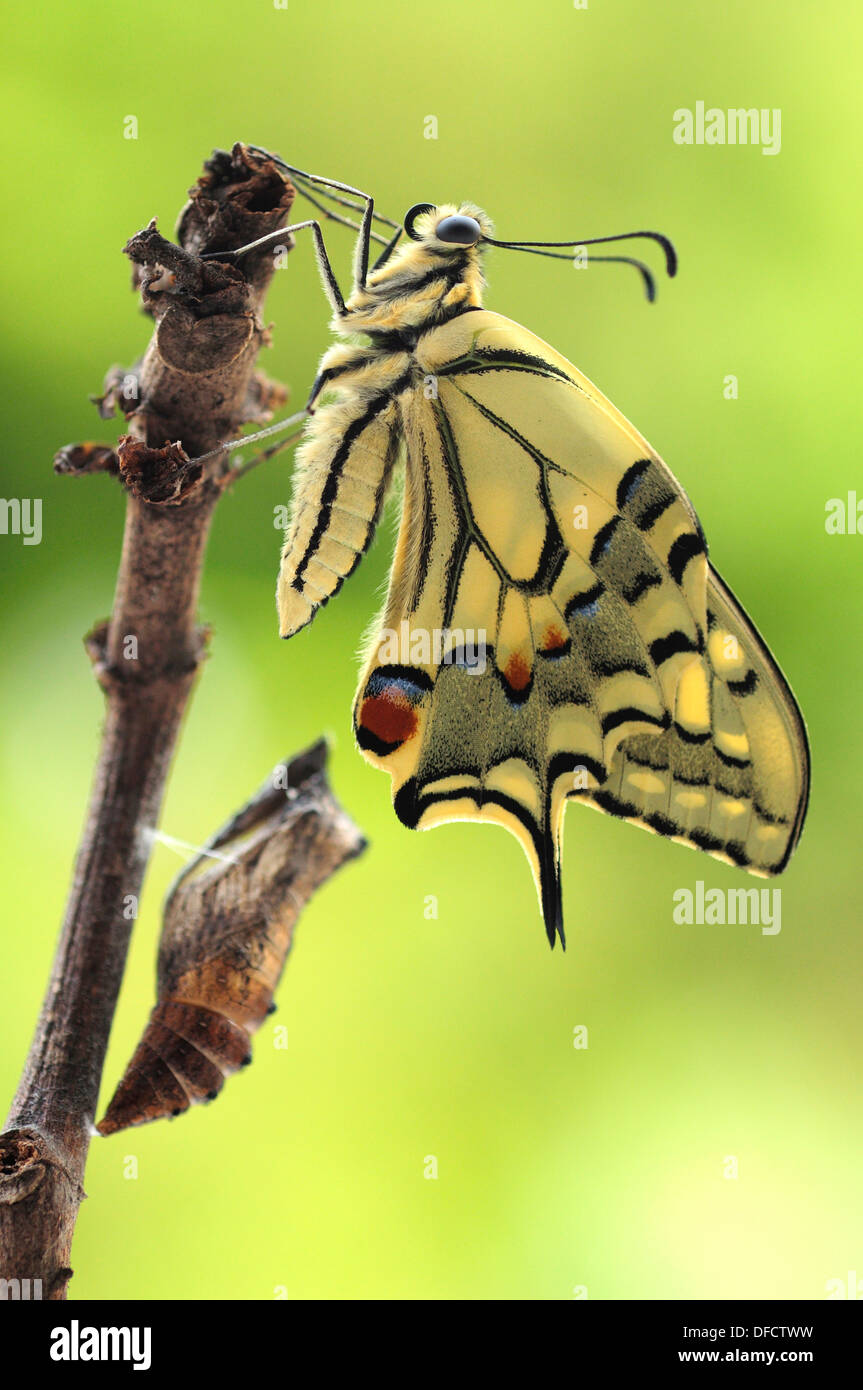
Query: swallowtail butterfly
616,668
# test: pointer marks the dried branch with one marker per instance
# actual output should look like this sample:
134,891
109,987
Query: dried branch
195,384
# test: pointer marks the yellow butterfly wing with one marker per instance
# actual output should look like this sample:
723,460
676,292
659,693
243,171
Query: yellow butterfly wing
553,628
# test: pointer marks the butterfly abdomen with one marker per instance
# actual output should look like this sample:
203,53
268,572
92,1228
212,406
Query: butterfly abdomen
341,474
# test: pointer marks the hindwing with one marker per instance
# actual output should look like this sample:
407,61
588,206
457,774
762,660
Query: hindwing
553,628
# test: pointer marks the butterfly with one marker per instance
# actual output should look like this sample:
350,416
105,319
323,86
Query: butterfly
553,629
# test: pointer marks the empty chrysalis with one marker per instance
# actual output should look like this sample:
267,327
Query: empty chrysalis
618,669
228,927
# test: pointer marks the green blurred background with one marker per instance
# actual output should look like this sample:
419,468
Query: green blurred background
558,1167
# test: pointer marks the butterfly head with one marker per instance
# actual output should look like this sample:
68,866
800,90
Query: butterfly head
435,272
447,227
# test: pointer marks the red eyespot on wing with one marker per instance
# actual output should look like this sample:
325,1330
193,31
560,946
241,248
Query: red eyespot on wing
388,717
388,714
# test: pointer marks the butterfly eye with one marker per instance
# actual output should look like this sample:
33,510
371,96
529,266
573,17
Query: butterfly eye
463,231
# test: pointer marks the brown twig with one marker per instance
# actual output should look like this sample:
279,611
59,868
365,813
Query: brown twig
196,384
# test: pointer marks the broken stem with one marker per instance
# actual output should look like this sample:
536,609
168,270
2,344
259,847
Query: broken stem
197,383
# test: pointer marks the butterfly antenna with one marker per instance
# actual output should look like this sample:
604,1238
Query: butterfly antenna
644,271
663,241
540,248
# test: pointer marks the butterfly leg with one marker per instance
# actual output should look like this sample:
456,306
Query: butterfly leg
388,250
328,277
323,379
361,253
290,422
388,246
